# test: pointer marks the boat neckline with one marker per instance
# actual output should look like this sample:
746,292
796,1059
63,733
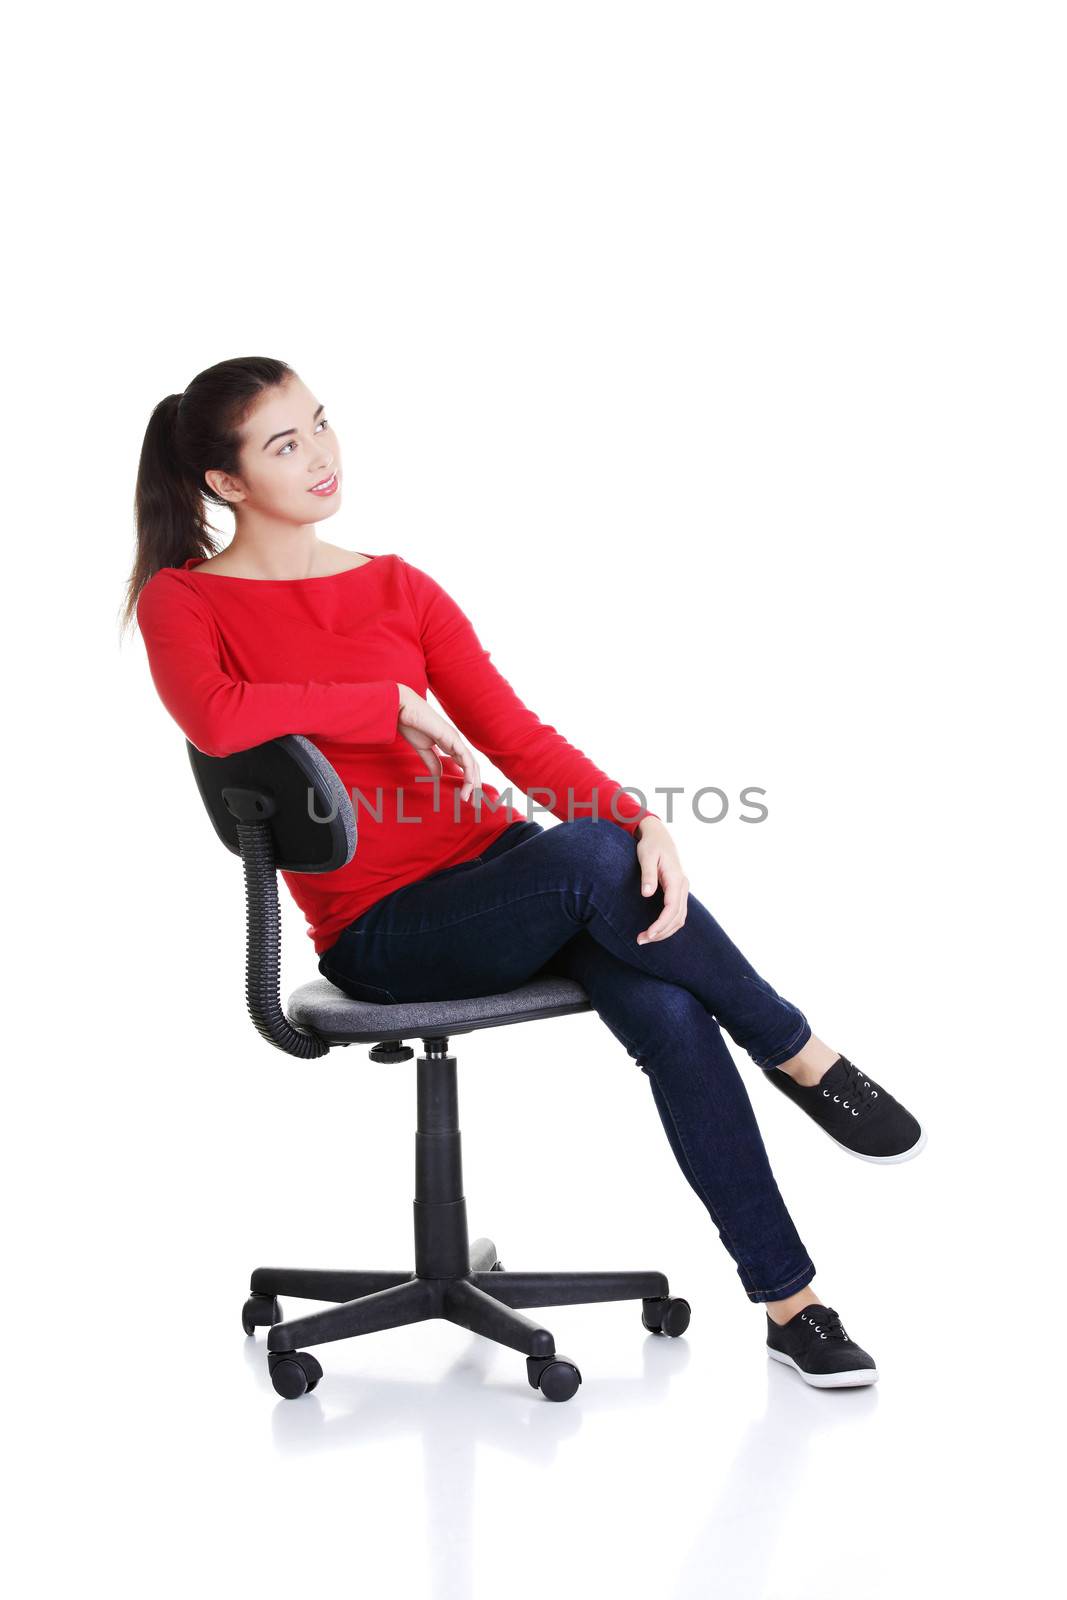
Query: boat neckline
320,577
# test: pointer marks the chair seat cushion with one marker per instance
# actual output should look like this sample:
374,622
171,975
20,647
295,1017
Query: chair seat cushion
326,1010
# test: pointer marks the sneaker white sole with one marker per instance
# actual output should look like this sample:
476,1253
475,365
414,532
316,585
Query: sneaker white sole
829,1380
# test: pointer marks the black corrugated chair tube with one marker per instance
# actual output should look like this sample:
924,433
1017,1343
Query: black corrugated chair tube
264,942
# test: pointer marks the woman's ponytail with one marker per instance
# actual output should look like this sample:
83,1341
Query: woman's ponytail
187,436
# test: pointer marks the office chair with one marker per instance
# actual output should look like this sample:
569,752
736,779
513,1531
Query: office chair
281,806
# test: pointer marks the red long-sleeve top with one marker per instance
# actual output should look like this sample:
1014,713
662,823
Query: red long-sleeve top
238,661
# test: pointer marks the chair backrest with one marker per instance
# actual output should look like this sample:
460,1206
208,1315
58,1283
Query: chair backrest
288,783
278,805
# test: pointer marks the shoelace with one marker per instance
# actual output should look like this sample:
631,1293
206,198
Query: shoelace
828,1325
857,1095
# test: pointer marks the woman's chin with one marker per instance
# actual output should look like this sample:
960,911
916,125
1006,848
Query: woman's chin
325,508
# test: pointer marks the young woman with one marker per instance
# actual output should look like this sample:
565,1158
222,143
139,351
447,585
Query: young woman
452,892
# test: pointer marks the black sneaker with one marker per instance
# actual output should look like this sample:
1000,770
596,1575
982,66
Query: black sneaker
817,1346
857,1113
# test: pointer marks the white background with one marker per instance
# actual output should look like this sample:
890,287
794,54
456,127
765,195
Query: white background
713,358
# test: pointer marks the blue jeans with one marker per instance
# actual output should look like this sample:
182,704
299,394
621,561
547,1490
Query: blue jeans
567,900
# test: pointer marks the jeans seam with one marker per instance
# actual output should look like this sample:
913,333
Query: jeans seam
787,1047
768,1062
779,1287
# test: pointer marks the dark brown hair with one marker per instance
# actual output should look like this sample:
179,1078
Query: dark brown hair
188,435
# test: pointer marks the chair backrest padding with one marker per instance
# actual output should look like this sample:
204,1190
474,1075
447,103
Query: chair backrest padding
289,784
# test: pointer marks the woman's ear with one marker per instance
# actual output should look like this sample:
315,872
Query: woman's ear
223,484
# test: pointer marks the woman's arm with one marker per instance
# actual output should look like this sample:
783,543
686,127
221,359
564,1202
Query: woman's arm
484,706
532,753
220,714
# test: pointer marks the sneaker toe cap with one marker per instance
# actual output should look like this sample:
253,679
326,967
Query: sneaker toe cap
890,1134
841,1359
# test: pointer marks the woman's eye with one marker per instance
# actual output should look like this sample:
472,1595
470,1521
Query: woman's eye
292,442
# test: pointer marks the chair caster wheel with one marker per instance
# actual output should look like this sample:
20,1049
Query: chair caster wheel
293,1373
555,1376
665,1315
260,1311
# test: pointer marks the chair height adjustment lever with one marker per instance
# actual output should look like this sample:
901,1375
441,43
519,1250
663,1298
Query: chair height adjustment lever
388,1052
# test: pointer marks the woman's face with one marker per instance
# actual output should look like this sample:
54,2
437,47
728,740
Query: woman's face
287,449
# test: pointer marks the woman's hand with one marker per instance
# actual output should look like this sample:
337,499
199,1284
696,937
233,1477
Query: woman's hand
423,727
660,864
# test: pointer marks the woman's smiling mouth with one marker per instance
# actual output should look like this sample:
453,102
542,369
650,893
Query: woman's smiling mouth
325,485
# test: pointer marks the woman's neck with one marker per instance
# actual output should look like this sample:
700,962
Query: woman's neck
242,559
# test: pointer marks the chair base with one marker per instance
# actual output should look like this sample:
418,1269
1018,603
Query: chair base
483,1301
464,1283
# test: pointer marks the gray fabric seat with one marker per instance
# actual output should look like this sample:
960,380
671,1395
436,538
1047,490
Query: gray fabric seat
333,1015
